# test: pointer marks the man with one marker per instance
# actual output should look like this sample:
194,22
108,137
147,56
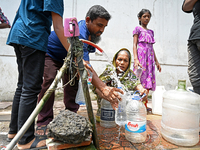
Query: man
90,29
4,20
29,37
194,43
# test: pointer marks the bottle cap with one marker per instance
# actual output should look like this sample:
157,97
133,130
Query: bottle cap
136,97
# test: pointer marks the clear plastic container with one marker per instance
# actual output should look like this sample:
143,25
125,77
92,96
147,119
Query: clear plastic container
107,118
135,128
138,72
120,112
180,116
157,99
80,99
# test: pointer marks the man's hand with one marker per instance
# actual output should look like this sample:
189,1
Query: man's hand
111,94
87,66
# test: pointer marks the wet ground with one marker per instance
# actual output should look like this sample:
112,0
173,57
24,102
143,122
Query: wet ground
109,139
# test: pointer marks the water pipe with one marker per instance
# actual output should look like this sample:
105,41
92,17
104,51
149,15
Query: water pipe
92,44
101,50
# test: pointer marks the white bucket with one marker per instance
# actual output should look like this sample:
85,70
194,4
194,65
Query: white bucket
157,100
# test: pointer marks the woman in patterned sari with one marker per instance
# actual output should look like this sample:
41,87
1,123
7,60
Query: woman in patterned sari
121,63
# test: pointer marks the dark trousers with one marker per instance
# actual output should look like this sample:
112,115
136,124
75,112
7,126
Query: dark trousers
194,64
50,71
30,68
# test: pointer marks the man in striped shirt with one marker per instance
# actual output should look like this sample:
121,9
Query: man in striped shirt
4,20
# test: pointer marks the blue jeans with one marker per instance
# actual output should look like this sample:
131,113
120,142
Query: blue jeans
30,68
194,64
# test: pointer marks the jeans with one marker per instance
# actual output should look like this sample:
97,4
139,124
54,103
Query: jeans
30,71
50,70
194,64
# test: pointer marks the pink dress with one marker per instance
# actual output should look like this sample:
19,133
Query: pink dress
146,57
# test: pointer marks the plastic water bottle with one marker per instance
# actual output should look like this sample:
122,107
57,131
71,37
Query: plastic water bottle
120,112
135,128
107,118
138,72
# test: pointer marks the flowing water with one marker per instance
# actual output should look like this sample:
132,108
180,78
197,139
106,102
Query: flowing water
119,130
114,76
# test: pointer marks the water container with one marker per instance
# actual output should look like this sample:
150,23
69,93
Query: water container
180,116
135,128
190,89
157,98
138,72
107,118
80,99
120,112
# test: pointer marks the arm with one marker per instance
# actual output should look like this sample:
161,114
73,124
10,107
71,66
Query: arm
113,103
188,5
4,25
104,91
156,62
59,29
4,21
136,61
141,89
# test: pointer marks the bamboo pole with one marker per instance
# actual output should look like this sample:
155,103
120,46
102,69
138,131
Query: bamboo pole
84,76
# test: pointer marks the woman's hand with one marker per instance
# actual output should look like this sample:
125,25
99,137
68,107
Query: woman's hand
142,90
137,63
158,66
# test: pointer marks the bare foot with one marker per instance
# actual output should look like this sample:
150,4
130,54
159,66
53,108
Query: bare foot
11,136
28,145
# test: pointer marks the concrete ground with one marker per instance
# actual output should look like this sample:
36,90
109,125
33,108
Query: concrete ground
109,139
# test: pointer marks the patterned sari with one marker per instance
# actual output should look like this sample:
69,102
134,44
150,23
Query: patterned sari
127,78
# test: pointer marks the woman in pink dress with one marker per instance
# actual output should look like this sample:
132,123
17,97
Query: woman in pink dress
144,55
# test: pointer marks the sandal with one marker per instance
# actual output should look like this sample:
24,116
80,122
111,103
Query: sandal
9,139
36,141
43,128
149,110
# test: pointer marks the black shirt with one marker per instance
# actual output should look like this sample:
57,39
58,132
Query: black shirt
195,30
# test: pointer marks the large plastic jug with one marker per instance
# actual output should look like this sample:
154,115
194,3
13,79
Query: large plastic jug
180,116
157,98
107,119
135,127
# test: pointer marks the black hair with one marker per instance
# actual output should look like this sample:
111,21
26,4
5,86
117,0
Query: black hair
143,11
98,11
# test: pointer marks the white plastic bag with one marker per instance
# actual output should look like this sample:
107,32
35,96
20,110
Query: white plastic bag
80,99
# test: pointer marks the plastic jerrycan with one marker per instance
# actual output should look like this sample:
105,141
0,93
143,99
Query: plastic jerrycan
180,116
157,98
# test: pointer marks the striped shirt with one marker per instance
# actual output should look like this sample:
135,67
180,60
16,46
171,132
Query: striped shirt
3,18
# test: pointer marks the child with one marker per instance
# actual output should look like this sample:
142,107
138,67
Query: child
144,55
